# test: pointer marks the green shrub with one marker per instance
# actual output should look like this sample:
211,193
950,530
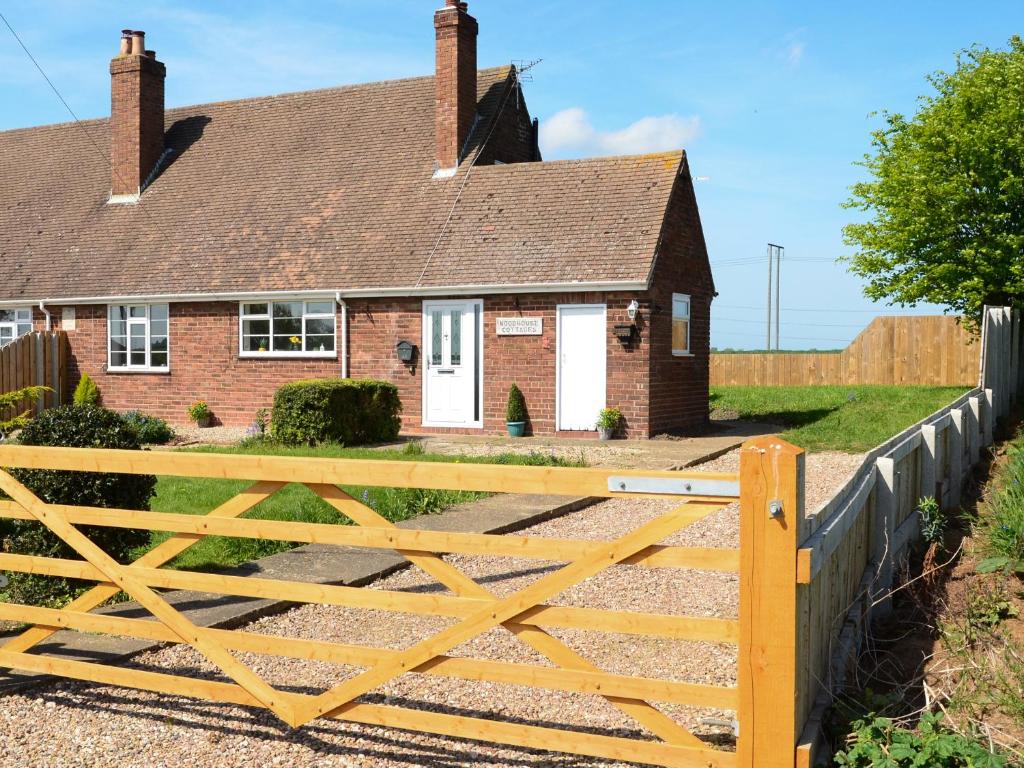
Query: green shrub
879,743
150,429
347,411
199,411
80,427
934,521
609,418
515,411
86,393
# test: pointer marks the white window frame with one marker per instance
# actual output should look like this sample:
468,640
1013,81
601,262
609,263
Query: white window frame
145,322
22,316
306,315
689,325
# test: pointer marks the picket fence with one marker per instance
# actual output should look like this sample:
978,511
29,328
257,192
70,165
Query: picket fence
929,350
852,545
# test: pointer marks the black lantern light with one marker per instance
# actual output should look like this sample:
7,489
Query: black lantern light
406,351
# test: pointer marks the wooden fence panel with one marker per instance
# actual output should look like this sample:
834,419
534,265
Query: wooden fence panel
928,350
39,358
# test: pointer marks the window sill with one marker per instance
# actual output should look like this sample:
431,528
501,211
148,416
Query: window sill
288,355
683,354
138,370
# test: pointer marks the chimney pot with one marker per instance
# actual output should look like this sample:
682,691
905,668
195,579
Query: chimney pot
126,42
138,43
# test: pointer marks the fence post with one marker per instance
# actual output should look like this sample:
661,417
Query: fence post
771,510
883,535
956,456
974,429
930,462
988,419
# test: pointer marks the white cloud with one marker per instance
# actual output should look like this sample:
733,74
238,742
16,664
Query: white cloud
570,132
795,52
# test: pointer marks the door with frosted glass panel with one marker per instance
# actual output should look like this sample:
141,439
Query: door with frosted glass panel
451,363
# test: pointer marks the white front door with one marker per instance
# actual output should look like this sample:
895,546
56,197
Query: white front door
582,365
452,382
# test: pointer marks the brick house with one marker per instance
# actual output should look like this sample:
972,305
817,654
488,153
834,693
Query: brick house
224,249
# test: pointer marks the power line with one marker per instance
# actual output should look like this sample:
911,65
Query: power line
801,309
80,124
738,335
719,318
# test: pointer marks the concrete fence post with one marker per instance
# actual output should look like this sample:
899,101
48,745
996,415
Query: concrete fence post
883,557
930,462
956,456
988,419
974,430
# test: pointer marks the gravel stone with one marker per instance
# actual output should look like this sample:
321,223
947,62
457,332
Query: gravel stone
70,724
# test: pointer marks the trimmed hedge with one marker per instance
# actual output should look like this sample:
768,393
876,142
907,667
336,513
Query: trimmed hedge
347,411
76,426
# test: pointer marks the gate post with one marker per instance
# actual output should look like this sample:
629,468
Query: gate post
771,510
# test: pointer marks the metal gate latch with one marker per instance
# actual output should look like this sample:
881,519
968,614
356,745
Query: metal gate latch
775,509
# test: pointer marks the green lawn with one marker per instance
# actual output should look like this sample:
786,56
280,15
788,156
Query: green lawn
854,418
196,496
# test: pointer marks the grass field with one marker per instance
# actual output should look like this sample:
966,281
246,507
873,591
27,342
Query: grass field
198,496
855,418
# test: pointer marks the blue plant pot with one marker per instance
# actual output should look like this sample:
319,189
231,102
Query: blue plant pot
516,428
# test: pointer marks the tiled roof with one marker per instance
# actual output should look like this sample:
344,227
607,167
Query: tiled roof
329,189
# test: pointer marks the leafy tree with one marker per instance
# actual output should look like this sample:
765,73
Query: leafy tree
946,193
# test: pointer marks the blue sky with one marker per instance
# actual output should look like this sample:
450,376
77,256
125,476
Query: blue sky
773,101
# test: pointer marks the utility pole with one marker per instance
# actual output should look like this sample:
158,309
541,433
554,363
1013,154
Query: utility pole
768,341
775,251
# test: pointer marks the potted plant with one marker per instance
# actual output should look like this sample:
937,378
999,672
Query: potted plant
199,412
608,421
515,412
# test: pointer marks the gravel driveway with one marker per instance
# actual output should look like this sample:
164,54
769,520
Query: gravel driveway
74,724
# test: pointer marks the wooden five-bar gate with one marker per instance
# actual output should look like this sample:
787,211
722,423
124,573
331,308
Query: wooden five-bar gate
768,488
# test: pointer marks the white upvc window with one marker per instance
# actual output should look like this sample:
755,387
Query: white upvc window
680,324
14,323
287,328
138,337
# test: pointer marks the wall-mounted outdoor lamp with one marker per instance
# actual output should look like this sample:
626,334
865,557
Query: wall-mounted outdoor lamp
632,310
406,351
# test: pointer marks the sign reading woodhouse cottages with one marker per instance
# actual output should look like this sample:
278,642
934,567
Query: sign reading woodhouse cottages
520,326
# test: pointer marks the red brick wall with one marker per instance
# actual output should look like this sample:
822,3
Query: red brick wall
204,366
376,325
679,385
205,363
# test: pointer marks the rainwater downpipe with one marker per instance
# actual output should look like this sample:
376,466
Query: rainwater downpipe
344,334
45,311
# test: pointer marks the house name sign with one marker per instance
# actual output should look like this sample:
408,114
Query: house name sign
520,326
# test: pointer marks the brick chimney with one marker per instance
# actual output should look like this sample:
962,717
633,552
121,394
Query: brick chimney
136,116
455,80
